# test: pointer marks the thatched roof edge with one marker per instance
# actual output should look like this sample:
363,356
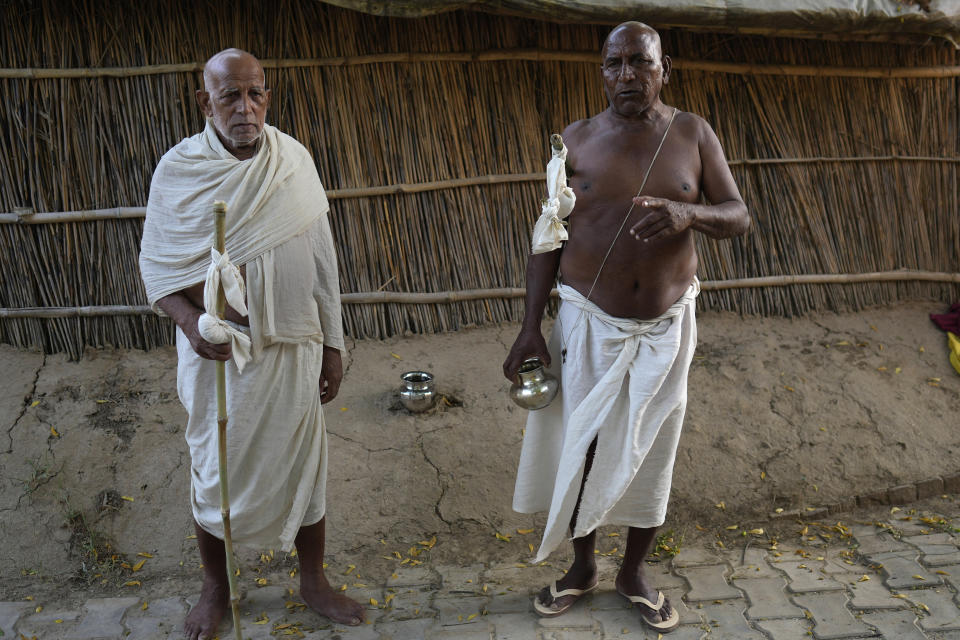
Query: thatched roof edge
884,20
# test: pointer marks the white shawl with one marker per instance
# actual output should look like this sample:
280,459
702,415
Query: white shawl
270,198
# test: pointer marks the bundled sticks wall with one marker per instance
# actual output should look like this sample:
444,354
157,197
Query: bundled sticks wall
87,143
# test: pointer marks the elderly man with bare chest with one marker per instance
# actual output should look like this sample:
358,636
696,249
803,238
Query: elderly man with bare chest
603,451
285,331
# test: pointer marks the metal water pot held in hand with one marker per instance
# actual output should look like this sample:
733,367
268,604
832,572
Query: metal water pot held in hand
537,388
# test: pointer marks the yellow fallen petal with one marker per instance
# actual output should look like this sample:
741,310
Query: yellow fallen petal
788,388
38,609
127,498
756,532
102,401
733,527
894,509
524,532
262,619
343,587
900,595
396,356
763,475
530,546
471,617
54,432
863,578
918,577
350,568
943,573
500,536
145,606
262,582
59,621
138,566
721,505
373,601
390,596
343,408
897,370
924,607
144,554
778,510
132,583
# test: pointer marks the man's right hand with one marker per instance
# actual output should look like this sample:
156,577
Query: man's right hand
529,344
205,349
186,314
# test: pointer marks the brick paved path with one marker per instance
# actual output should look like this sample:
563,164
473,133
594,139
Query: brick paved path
898,580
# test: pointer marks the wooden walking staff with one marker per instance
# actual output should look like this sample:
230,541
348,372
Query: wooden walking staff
219,216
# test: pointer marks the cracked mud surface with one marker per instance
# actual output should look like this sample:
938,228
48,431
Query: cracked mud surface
782,414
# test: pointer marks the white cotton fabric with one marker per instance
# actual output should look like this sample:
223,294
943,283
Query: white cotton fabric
276,441
214,329
270,198
549,232
624,383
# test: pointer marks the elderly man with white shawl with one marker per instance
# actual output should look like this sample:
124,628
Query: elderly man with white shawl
282,335
603,451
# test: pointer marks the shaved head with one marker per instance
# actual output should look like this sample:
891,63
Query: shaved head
632,29
220,63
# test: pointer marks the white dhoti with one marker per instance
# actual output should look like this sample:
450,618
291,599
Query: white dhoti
624,383
277,227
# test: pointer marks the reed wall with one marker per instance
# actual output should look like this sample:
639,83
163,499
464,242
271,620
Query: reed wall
79,143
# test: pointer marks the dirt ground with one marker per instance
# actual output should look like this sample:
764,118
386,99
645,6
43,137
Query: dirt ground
94,470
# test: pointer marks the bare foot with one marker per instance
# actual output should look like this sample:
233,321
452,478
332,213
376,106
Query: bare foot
204,618
323,599
575,578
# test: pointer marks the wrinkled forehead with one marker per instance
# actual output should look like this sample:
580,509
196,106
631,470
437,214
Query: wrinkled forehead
632,40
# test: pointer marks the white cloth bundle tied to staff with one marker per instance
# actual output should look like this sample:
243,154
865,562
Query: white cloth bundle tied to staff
549,232
214,329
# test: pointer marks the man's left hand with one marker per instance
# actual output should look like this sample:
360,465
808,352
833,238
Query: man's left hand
663,218
331,373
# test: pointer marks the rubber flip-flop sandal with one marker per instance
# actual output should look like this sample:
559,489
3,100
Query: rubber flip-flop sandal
664,626
546,612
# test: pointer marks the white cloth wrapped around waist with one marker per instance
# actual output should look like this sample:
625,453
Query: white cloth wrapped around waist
216,330
276,442
623,383
549,232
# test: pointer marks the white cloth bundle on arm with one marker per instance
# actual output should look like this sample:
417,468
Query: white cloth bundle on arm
624,383
549,232
213,329
277,227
